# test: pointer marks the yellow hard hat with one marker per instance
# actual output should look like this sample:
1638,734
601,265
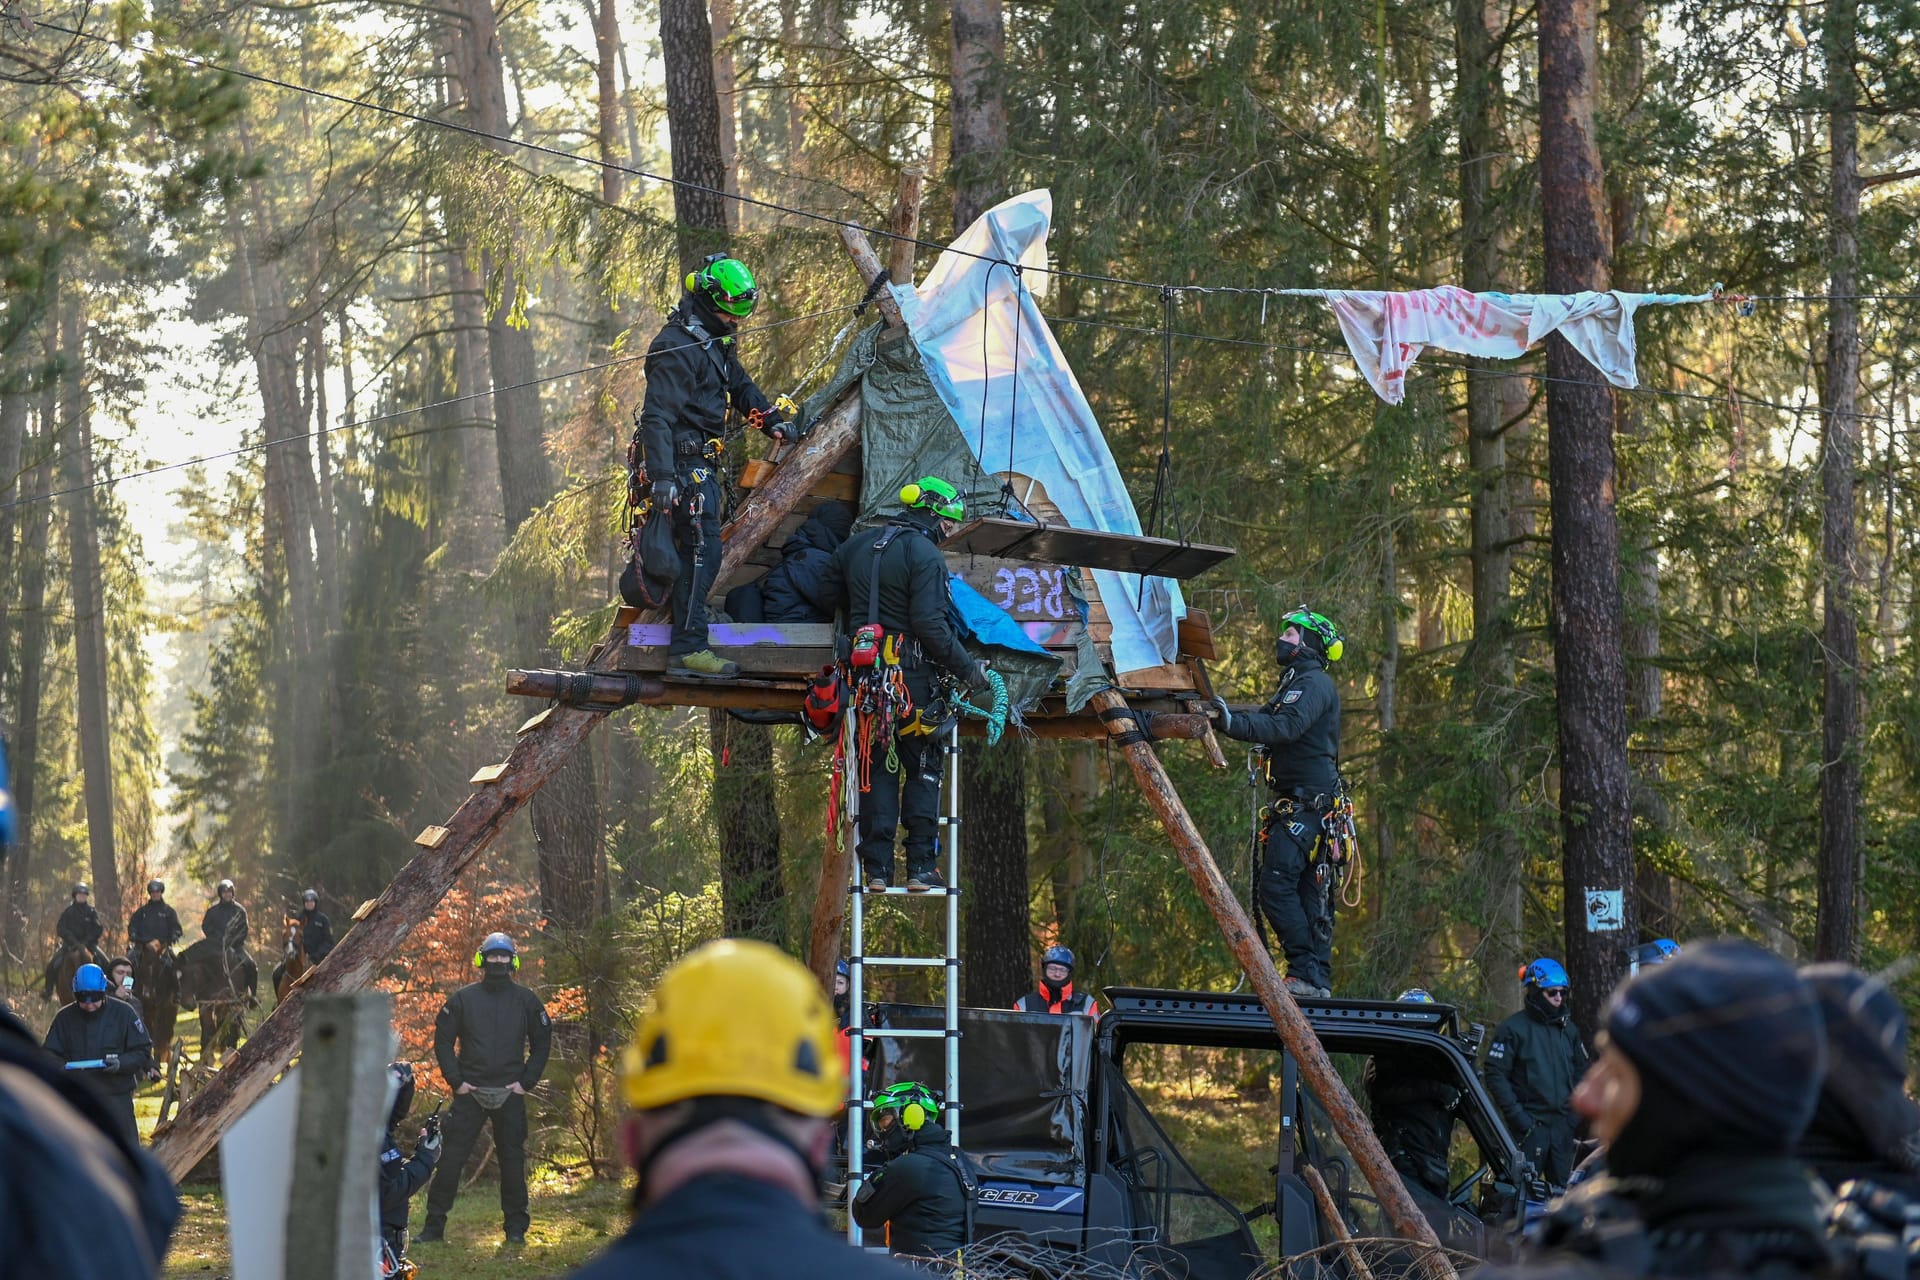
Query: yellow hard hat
738,1019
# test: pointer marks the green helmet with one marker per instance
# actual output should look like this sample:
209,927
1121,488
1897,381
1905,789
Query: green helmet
935,495
726,283
914,1101
1320,626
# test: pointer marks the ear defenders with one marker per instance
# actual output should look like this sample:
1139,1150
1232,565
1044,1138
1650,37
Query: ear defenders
480,961
910,495
913,1116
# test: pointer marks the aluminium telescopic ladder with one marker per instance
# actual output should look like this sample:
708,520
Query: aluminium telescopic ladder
947,842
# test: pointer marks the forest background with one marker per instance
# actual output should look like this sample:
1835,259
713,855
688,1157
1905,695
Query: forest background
393,264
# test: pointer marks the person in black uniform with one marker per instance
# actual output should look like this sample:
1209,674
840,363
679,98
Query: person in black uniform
1056,993
79,929
1299,733
401,1176
96,1028
923,1190
225,927
795,590
693,376
893,577
1533,1062
316,933
1864,1125
492,1039
731,1084
155,924
1709,1066
1413,1110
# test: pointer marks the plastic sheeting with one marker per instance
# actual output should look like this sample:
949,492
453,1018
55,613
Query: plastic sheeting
995,363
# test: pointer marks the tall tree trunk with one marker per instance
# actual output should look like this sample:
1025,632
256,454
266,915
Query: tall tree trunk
744,804
1589,672
15,400
479,528
92,697
979,107
1837,931
24,758
1387,671
606,55
725,83
693,122
993,869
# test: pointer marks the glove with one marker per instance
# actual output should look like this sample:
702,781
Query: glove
979,678
112,1061
1225,713
665,492
430,1141
777,431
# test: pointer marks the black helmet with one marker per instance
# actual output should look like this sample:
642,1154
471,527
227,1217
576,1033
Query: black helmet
225,886
156,886
79,889
402,1073
309,896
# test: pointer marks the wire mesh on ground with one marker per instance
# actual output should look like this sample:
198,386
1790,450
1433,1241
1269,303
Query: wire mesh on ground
1118,1254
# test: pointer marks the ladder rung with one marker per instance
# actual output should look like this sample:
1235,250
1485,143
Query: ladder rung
930,962
901,891
905,1033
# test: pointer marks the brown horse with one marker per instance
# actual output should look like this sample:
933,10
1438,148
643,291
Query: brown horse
65,965
293,959
156,983
215,982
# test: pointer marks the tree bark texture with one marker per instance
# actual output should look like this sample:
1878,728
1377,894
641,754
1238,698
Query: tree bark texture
1837,930
993,867
15,399
479,532
24,745
693,124
606,53
726,93
744,805
979,107
1589,669
91,695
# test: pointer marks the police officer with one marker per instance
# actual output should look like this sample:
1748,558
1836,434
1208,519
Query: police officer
1533,1062
923,1191
155,924
693,376
731,1083
106,1036
1864,1125
1056,993
1413,1111
492,1039
225,926
892,580
316,934
401,1176
1707,1073
1299,733
78,929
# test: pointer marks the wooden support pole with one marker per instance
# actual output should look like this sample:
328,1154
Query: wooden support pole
906,224
344,1051
870,268
1356,1264
830,905
1295,1031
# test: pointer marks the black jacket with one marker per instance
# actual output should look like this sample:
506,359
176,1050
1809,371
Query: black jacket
800,588
1531,1068
731,1227
77,1197
691,379
400,1178
1300,725
922,1196
77,1036
914,599
318,931
154,922
226,925
1413,1113
79,925
502,1033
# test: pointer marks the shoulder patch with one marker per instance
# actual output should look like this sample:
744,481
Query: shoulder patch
544,1020
1498,1049
1291,696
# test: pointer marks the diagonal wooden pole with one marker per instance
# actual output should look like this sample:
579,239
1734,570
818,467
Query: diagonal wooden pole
1296,1033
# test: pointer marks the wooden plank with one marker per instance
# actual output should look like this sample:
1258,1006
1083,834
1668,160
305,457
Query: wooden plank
1196,635
336,1151
814,635
1024,592
486,773
794,661
1088,548
1171,677
534,722
832,486
432,837
1316,1068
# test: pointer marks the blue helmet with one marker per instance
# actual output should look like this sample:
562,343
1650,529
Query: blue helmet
1415,995
1659,951
842,968
495,944
1057,954
89,978
1546,974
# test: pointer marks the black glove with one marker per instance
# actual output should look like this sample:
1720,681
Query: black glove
1226,715
978,679
111,1061
665,492
430,1141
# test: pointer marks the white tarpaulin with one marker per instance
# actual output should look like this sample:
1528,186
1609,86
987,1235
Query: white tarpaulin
1387,331
966,317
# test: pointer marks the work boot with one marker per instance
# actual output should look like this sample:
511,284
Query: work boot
432,1233
878,882
925,882
516,1239
702,664
1301,989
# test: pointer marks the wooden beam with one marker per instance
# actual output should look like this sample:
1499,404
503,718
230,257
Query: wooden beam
906,224
1295,1031
871,268
830,905
1335,1223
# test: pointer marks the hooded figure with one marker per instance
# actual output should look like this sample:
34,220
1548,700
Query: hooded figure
923,1193
1864,1125
1533,1061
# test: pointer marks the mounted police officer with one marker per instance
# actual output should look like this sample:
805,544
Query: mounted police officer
225,926
924,1189
492,1040
316,934
155,924
693,376
1056,993
105,1039
1533,1062
78,929
1298,731
891,582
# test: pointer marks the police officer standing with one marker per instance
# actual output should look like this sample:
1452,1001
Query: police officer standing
492,1039
891,582
1299,733
693,376
155,924
1056,993
923,1191
78,929
105,1039
1533,1062
731,1083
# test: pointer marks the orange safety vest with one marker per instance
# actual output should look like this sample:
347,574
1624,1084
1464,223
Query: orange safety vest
1038,1002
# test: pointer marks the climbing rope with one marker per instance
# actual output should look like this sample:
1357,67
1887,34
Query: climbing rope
996,715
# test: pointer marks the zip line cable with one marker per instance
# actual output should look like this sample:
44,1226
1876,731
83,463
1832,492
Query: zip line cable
244,449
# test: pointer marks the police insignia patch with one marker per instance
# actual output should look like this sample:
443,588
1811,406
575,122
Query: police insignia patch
1291,696
1497,1050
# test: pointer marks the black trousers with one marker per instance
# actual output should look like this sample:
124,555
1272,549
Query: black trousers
120,1107
908,795
696,531
1549,1144
1293,897
462,1130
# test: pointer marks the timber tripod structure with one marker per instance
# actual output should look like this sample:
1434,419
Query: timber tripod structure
1131,708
